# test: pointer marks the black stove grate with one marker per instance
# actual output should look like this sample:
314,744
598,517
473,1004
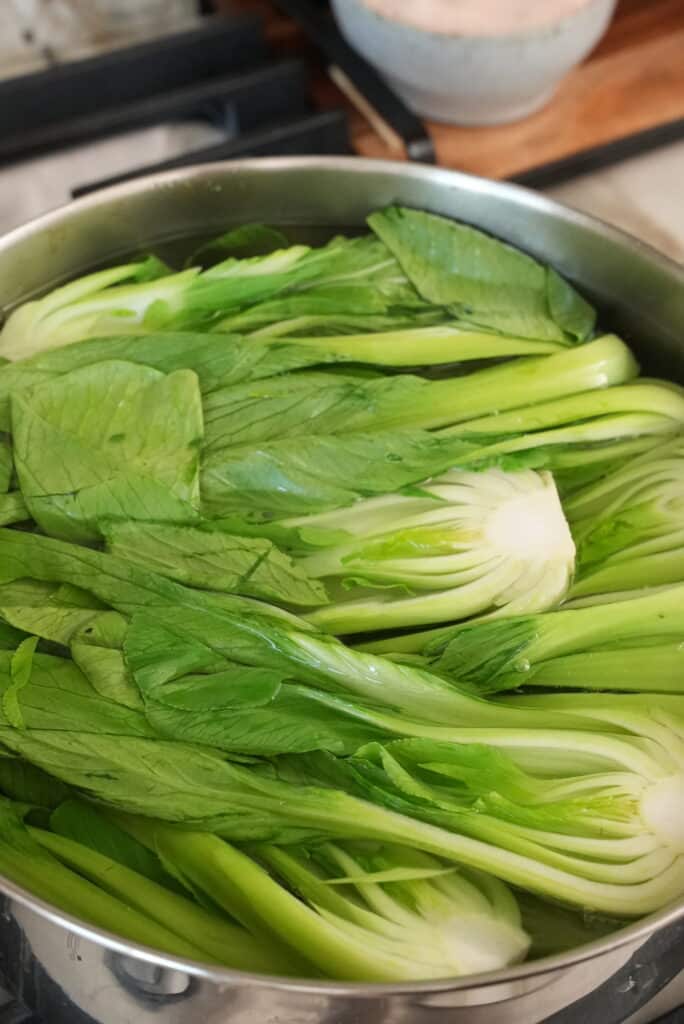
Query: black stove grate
219,72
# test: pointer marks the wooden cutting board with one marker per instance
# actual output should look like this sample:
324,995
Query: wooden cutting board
627,96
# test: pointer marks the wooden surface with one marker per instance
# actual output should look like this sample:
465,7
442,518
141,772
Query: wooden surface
632,82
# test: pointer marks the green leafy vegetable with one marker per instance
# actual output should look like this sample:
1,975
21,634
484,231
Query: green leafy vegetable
398,430
405,930
219,940
325,404
186,784
27,863
83,823
43,609
467,543
281,479
143,297
218,360
41,691
246,240
624,645
481,279
13,508
422,346
20,673
27,784
630,525
81,457
215,561
6,465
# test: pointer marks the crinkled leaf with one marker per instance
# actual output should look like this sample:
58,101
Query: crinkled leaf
81,454
290,406
108,673
13,508
246,240
485,281
118,583
80,821
218,360
160,648
281,479
57,696
571,312
291,722
215,561
20,667
41,608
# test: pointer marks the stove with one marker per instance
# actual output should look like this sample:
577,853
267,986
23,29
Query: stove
210,91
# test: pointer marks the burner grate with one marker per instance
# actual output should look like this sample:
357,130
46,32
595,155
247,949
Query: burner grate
218,75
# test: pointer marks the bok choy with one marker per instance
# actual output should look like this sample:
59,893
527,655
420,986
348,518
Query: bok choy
465,544
420,439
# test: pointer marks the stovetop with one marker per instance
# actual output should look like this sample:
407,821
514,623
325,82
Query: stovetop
660,1011
213,91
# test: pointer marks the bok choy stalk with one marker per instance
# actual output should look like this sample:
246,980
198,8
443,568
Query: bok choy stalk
216,938
463,544
625,859
366,913
108,753
630,526
145,296
106,302
633,644
229,661
419,346
267,477
466,544
618,824
320,403
634,410
185,691
27,863
580,437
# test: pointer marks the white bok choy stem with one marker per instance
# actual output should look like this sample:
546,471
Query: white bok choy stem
466,544
370,912
629,527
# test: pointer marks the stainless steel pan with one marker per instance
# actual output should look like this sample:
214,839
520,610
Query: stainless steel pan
72,973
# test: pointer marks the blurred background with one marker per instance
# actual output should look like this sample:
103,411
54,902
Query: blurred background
581,98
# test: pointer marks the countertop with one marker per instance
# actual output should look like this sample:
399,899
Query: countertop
644,195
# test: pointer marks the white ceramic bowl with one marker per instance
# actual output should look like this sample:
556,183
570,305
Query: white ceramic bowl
472,78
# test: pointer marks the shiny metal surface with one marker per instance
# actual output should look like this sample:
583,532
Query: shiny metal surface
74,974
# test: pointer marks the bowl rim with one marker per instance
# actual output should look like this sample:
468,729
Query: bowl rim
636,932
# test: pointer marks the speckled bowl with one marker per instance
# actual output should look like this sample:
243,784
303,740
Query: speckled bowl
464,79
